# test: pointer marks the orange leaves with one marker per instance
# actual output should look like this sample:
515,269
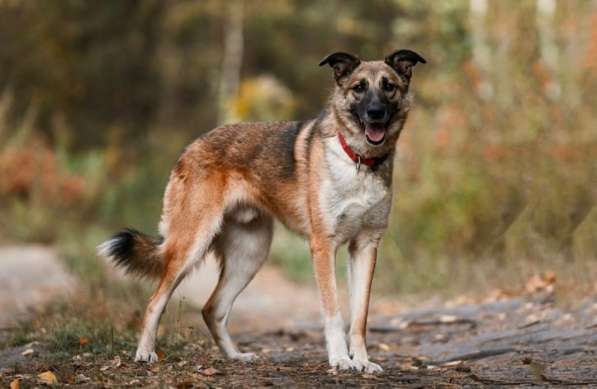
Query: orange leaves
34,169
48,378
83,341
541,282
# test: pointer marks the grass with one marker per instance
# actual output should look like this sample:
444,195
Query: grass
474,193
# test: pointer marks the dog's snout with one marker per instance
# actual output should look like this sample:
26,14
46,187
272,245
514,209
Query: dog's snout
376,112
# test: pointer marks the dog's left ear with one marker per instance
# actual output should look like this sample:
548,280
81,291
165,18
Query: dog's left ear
342,63
402,61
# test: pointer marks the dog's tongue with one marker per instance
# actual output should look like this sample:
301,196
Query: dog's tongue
375,132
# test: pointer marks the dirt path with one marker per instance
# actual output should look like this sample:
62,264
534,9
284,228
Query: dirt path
29,277
524,342
519,342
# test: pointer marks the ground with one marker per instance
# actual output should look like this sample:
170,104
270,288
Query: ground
516,341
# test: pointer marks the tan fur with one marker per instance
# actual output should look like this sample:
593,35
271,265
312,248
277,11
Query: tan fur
229,184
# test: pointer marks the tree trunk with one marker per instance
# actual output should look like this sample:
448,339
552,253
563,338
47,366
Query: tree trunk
231,62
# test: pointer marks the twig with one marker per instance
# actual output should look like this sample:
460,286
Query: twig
472,356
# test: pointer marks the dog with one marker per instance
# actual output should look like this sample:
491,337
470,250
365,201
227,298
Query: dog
328,179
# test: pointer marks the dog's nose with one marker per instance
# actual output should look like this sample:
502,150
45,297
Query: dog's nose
376,113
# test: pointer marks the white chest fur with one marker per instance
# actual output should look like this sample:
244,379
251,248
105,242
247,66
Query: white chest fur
352,200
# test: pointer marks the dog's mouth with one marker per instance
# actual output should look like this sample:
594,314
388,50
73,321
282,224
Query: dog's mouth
375,133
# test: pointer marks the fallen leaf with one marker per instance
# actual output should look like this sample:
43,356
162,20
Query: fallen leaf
81,378
116,362
185,384
541,282
47,377
28,352
83,341
15,384
447,319
384,347
209,371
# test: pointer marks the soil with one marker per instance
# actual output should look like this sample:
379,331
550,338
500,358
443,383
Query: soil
30,276
527,341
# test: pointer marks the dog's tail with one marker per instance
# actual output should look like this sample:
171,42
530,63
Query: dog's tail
135,252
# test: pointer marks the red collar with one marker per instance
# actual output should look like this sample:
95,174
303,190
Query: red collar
373,163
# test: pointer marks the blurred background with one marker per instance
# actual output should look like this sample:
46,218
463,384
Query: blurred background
495,173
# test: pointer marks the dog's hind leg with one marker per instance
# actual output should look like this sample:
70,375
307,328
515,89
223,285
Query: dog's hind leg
182,251
242,247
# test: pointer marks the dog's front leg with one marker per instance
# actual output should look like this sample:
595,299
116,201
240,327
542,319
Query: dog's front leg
324,256
361,265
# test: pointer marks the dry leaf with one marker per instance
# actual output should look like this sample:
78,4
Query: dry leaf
28,352
83,341
185,384
15,384
81,378
384,347
209,371
447,319
47,377
543,282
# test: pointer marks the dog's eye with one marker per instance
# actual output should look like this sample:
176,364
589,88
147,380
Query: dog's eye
389,87
359,88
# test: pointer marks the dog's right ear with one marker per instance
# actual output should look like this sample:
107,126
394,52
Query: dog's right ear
342,63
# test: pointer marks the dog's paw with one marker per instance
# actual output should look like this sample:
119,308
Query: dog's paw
243,357
367,366
146,356
342,363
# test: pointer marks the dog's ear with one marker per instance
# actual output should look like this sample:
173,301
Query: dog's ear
342,63
402,61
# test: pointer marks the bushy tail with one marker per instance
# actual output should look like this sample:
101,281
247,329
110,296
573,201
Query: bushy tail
135,252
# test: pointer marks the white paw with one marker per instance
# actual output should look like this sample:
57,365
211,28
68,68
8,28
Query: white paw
146,356
367,367
243,357
342,363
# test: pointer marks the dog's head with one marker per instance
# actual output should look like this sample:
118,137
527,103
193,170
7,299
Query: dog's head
371,98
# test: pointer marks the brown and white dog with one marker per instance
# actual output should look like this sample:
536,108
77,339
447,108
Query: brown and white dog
328,179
